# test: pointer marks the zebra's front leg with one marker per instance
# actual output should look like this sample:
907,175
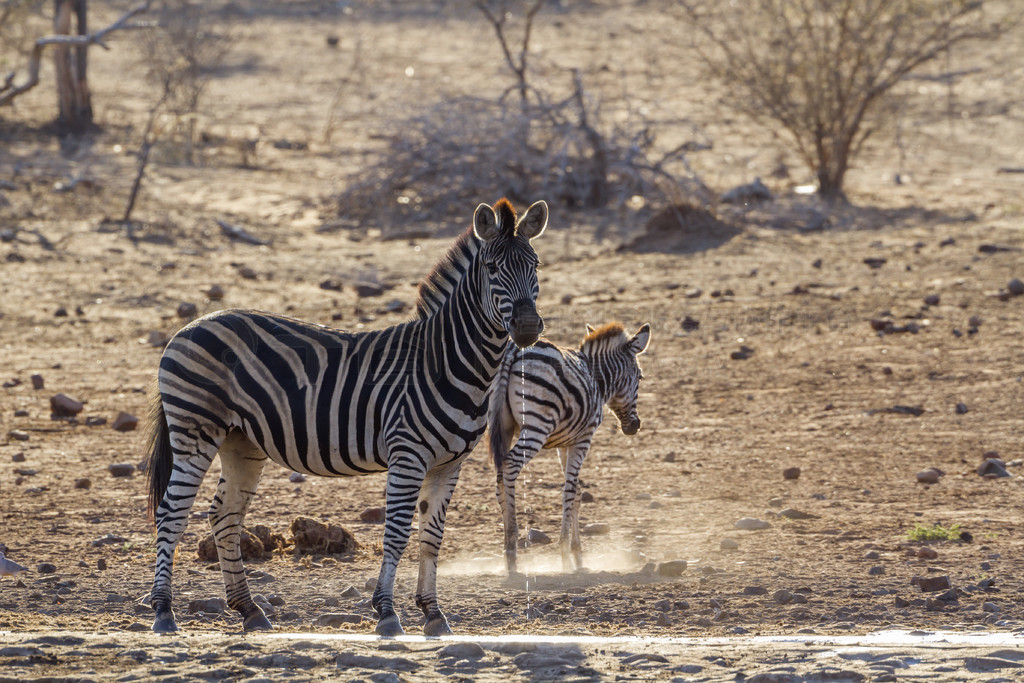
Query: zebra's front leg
433,508
405,478
171,518
525,449
569,538
241,468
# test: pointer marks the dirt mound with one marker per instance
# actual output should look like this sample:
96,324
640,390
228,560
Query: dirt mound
258,542
682,229
311,535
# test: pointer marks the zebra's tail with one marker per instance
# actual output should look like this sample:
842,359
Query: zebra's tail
499,416
161,458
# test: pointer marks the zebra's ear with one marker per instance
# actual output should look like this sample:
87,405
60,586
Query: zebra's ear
638,344
534,221
590,328
485,223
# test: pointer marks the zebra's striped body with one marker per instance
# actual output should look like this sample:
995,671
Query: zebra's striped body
554,397
409,400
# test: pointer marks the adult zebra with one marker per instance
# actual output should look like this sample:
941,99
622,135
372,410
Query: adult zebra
410,400
555,398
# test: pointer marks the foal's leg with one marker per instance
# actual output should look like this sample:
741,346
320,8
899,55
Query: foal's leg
241,466
405,477
526,448
433,506
193,448
569,538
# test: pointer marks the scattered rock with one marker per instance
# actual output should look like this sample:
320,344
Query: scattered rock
95,421
46,568
535,537
790,513
877,570
187,310
214,293
916,411
101,564
672,568
465,650
690,324
336,619
782,596
994,248
693,293
961,409
663,620
368,289
246,273
755,590
296,477
791,473
993,468
37,381
63,405
990,607
18,435
586,497
926,553
121,469
208,606
729,544
751,524
351,592
929,476
875,262
109,539
931,584
332,284
596,529
1015,287
125,422
18,457
311,535
744,353
373,515
975,322
751,192
252,547
932,300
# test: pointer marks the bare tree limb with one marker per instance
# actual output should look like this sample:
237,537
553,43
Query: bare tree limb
9,91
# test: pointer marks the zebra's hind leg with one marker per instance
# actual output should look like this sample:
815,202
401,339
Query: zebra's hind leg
241,467
527,446
405,477
569,539
435,495
191,451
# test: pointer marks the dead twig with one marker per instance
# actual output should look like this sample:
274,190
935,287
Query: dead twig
240,234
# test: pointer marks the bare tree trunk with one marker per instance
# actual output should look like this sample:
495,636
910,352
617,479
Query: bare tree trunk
73,98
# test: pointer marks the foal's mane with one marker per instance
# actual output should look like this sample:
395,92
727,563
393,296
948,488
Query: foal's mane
606,335
446,274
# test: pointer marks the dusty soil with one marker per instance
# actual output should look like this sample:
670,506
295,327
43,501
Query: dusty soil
81,302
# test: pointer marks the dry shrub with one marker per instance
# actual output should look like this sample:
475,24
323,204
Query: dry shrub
313,536
682,228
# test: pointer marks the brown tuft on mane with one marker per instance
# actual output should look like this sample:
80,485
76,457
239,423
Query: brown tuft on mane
506,215
606,331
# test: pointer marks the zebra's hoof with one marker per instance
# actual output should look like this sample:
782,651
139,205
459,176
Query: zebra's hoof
437,626
389,627
165,625
257,621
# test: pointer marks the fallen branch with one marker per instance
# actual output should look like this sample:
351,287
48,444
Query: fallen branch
9,91
241,234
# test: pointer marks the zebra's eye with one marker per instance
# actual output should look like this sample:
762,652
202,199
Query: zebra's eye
492,267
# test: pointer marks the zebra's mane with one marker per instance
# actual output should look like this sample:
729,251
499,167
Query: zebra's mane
605,338
441,281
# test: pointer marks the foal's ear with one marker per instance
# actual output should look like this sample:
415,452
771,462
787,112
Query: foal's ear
534,221
638,344
485,223
590,328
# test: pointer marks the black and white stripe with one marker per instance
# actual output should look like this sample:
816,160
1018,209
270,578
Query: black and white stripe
410,400
554,397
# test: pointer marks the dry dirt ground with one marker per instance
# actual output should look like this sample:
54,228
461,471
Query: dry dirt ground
819,390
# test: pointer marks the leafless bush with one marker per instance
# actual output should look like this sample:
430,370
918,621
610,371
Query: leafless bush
181,56
543,145
820,68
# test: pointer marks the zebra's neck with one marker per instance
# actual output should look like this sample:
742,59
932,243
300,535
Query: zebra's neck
603,371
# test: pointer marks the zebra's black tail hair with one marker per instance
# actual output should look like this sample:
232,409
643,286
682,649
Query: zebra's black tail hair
161,458
499,415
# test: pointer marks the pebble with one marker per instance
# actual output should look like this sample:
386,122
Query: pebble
586,497
755,590
121,469
208,606
18,457
782,596
63,405
37,381
729,544
466,650
109,539
790,513
927,553
296,477
125,422
214,293
83,483
871,555
187,310
642,496
663,620
351,592
877,570
993,468
752,524
336,619
596,529
791,473
46,568
95,421
961,409
537,537
672,568
931,584
928,476
1015,287
932,300
990,607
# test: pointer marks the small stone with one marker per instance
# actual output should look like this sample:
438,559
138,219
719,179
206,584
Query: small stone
101,564
975,321
1015,287
125,422
693,293
246,273
931,300
296,477
672,568
336,619
467,650
993,468
18,435
208,606
214,293
46,568
690,324
871,555
121,469
156,339
367,289
187,310
926,553
351,592
596,529
755,590
744,353
95,421
791,473
751,524
729,544
61,312
18,457
83,483
928,476
332,284
642,496
990,607
373,515
663,605
536,537
961,409
63,405
782,596
37,381
900,603
877,570
109,539
931,584
395,306
586,497
790,513
874,262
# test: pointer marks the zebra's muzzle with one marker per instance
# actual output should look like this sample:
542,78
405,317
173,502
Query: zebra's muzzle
525,325
631,425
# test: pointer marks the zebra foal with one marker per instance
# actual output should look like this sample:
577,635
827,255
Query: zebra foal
554,397
409,400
